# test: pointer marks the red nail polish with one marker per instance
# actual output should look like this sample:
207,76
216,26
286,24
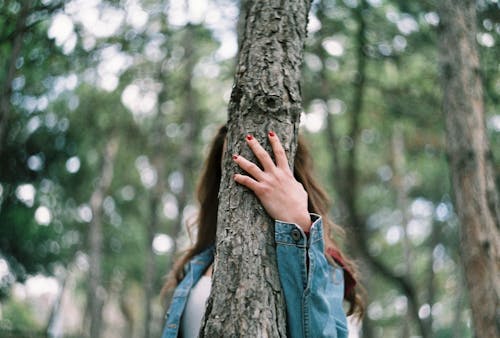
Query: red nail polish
235,157
271,133
249,137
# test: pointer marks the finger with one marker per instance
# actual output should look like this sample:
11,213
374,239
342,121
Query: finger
249,167
279,152
261,154
246,181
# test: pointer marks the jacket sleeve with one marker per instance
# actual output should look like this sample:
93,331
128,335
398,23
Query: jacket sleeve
313,288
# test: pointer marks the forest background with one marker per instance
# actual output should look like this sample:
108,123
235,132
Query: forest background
107,108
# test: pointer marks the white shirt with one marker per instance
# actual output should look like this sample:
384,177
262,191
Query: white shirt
195,307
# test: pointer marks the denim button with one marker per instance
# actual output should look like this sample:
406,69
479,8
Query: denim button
295,234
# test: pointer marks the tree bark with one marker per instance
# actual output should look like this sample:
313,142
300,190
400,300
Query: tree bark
469,156
246,298
95,297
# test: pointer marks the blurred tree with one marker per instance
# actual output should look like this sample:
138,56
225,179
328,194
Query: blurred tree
192,117
26,244
265,96
475,192
87,70
17,36
348,174
19,20
96,291
400,90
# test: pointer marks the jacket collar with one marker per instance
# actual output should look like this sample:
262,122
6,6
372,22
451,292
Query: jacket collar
205,257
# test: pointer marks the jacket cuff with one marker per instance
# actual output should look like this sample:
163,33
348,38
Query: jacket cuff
292,234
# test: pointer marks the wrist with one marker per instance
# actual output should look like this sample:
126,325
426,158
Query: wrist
304,221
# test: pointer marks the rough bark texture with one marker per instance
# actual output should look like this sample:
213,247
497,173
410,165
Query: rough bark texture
246,298
475,194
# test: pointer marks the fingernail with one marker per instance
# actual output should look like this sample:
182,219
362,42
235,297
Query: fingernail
235,157
271,133
249,137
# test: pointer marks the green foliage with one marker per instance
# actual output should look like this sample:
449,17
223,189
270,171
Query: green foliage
149,85
402,96
16,315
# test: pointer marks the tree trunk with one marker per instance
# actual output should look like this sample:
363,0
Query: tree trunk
95,297
126,308
458,322
347,186
475,194
192,119
402,188
159,162
6,88
158,142
151,229
54,327
246,298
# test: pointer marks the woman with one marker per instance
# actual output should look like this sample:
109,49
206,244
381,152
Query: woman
300,208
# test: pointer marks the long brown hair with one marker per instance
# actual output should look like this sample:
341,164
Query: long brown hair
206,220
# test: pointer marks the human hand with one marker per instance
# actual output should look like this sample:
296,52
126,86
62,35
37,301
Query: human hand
283,197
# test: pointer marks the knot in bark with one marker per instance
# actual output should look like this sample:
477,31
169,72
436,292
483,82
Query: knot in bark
269,103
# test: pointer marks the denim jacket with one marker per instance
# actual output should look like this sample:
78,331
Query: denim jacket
313,288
